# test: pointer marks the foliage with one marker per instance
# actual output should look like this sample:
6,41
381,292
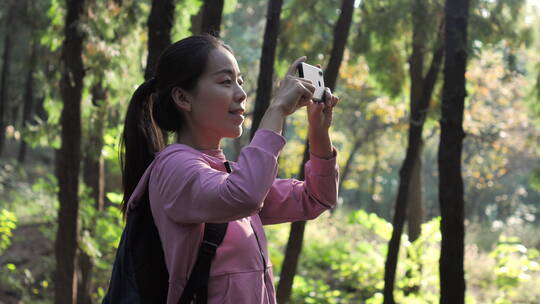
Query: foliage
500,131
8,222
100,237
345,264
23,273
343,257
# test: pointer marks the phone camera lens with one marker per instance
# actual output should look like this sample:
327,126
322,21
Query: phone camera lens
320,73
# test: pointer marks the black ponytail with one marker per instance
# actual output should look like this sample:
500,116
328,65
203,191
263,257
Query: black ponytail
140,140
152,112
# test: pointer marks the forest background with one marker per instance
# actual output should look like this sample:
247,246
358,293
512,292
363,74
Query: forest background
381,57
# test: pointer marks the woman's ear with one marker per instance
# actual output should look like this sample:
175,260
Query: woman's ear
181,99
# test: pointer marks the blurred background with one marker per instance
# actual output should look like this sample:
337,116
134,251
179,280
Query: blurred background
384,59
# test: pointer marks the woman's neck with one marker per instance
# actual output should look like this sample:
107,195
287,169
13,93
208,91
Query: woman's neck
198,141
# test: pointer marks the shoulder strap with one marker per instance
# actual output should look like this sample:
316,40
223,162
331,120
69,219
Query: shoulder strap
197,285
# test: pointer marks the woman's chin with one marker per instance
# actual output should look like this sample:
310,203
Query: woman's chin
236,133
240,131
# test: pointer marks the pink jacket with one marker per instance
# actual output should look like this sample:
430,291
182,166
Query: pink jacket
188,187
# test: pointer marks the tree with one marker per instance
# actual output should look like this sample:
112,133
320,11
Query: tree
452,276
160,23
101,64
212,12
418,116
28,97
266,70
94,179
409,182
296,236
69,155
6,62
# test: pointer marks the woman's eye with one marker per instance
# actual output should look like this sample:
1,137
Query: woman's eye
227,81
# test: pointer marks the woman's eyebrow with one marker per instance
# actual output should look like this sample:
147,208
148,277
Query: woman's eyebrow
227,71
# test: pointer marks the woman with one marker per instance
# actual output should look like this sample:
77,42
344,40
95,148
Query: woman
197,94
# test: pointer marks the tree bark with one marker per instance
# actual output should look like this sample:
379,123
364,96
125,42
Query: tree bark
341,33
28,100
6,63
160,23
266,69
293,250
196,22
452,274
415,210
211,17
68,156
416,126
94,178
416,73
296,236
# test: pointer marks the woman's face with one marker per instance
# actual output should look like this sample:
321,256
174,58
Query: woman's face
218,100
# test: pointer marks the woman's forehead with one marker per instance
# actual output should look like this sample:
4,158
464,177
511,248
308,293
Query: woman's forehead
221,60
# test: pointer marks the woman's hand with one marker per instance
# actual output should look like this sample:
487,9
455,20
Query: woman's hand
320,119
293,92
320,114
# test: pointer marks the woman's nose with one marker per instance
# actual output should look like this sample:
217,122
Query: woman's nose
240,94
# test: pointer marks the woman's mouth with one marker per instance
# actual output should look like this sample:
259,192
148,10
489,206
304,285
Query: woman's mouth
238,114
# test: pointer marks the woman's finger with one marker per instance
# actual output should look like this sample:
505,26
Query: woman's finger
309,85
327,97
292,68
307,92
303,80
305,102
335,101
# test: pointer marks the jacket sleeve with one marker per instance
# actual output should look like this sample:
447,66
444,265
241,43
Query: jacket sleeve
292,200
190,191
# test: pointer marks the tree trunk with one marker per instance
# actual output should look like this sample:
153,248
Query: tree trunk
211,16
94,178
68,156
415,215
416,73
196,22
28,100
266,69
292,252
6,63
452,280
416,126
160,23
415,210
296,236
341,33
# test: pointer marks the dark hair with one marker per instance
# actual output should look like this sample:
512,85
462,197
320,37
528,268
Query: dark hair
152,112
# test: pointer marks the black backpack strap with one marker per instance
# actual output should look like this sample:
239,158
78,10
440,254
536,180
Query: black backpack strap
197,284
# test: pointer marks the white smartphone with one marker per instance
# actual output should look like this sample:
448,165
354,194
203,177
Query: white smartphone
316,76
